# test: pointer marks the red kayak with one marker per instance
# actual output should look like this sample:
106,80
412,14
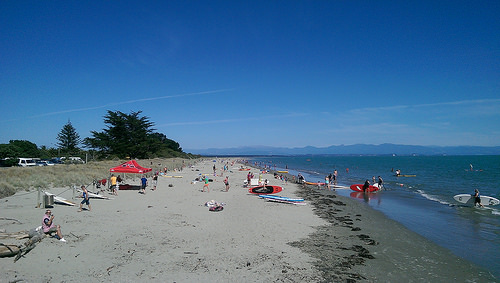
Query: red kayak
265,190
359,188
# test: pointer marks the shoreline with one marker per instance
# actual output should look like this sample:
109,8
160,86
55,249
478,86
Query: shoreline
384,251
169,235
363,244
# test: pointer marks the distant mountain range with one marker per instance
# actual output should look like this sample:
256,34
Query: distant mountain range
356,149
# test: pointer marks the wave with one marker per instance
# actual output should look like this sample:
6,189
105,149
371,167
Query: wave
432,198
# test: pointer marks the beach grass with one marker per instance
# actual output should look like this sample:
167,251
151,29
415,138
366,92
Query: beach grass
14,179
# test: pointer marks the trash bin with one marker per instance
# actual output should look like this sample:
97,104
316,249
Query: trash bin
48,200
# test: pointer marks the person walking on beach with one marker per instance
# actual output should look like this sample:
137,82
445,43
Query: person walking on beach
86,199
477,198
144,183
49,227
206,185
335,173
113,181
155,181
226,182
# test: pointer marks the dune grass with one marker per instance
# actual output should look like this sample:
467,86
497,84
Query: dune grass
14,179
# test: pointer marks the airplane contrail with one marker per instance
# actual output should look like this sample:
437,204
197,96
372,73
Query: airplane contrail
408,106
230,120
129,102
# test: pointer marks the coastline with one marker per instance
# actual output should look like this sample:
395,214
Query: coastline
169,235
381,249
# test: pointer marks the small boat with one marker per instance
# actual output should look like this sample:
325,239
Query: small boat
405,175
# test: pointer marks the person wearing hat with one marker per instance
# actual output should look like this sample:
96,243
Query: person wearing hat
49,227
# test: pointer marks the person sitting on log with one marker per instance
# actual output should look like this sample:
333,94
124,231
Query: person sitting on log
49,227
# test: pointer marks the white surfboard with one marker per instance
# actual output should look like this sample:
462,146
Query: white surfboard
469,199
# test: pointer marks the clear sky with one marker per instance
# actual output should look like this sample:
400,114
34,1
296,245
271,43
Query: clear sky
248,73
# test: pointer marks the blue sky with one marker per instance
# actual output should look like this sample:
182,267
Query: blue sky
276,73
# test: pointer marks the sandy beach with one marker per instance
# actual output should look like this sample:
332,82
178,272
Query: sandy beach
169,235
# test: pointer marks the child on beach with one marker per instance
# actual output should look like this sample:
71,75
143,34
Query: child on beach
155,181
226,182
144,183
206,185
85,198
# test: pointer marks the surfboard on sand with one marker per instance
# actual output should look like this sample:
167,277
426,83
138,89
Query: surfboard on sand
281,198
60,200
359,188
265,190
469,199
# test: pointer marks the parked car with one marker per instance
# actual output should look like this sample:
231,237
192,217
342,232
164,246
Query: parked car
56,160
44,163
72,160
26,162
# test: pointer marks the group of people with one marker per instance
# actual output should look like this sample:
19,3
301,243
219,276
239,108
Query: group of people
331,179
207,187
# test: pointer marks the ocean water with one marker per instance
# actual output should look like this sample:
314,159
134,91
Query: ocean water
423,203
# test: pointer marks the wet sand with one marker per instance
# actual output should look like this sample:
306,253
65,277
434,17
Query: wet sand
362,244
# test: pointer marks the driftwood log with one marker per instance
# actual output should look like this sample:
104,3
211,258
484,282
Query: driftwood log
29,245
8,250
17,235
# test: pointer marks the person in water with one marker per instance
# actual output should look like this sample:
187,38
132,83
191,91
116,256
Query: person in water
477,198
380,182
366,186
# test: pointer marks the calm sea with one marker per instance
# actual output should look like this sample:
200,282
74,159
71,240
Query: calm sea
423,203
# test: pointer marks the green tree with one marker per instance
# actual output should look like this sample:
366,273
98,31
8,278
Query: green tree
22,148
126,135
68,139
131,136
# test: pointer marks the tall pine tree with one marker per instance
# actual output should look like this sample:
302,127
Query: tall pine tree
68,139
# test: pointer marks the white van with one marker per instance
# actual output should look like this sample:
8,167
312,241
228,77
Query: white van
25,162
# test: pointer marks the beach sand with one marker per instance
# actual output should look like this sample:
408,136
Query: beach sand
169,235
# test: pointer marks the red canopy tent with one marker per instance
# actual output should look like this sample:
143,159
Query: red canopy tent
130,166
